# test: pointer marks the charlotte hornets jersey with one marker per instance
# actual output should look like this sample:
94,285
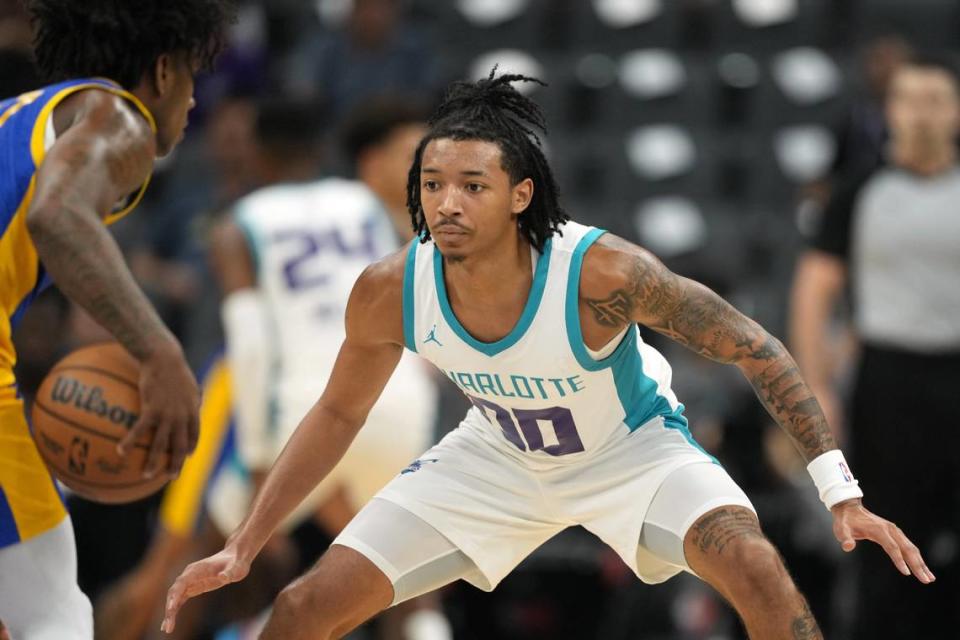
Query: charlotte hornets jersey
310,242
26,134
538,392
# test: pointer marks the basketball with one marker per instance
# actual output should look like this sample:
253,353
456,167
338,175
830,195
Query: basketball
84,407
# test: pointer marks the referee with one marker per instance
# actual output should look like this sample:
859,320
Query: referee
892,239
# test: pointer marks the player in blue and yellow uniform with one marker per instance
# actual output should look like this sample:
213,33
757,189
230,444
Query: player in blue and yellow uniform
74,157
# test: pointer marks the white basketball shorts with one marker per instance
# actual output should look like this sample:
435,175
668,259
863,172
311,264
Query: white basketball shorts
39,596
496,510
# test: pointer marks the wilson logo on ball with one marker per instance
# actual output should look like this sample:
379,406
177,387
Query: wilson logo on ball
69,391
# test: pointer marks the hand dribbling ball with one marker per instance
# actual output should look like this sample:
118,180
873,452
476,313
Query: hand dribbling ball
86,405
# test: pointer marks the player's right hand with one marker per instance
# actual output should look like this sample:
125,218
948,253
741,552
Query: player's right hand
169,409
4,634
200,577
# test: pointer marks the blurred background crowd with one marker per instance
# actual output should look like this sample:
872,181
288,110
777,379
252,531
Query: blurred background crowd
713,132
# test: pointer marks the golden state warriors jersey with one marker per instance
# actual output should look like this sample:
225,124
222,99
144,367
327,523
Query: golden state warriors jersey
26,133
30,503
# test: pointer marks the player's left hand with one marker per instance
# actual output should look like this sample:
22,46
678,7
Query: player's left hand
852,521
200,577
4,634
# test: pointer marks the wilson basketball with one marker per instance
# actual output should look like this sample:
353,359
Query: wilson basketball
85,406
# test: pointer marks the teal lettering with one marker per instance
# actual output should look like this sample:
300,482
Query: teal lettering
503,391
466,381
539,381
557,383
485,382
526,384
573,380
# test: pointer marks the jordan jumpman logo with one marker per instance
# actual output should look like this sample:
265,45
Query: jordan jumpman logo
432,337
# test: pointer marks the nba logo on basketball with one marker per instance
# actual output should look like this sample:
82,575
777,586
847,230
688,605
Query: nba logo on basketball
79,449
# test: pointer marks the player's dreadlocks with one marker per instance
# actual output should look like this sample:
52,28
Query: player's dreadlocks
493,111
122,39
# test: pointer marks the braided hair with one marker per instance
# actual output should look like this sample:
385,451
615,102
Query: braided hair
492,110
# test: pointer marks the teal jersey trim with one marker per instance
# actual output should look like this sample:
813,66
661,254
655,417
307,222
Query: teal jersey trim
409,273
634,388
572,308
529,311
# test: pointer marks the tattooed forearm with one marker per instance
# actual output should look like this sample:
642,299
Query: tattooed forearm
706,323
791,403
698,318
81,257
714,531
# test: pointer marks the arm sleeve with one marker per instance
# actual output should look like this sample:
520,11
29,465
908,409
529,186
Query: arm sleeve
833,233
249,355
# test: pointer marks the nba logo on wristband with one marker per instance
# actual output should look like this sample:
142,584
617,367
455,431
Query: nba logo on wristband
845,472
833,487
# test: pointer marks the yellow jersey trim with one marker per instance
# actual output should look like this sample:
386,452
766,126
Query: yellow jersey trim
38,137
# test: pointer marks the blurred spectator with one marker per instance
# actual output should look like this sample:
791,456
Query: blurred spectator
374,52
377,139
862,135
166,252
893,237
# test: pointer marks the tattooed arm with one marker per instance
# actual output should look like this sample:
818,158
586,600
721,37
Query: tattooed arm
105,151
693,315
623,284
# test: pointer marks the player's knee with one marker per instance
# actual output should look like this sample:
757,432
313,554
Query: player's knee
753,566
304,605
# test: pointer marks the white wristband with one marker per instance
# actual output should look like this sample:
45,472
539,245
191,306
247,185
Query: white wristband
833,478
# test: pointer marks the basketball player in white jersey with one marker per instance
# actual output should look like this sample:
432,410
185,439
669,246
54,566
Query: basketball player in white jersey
287,260
534,316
